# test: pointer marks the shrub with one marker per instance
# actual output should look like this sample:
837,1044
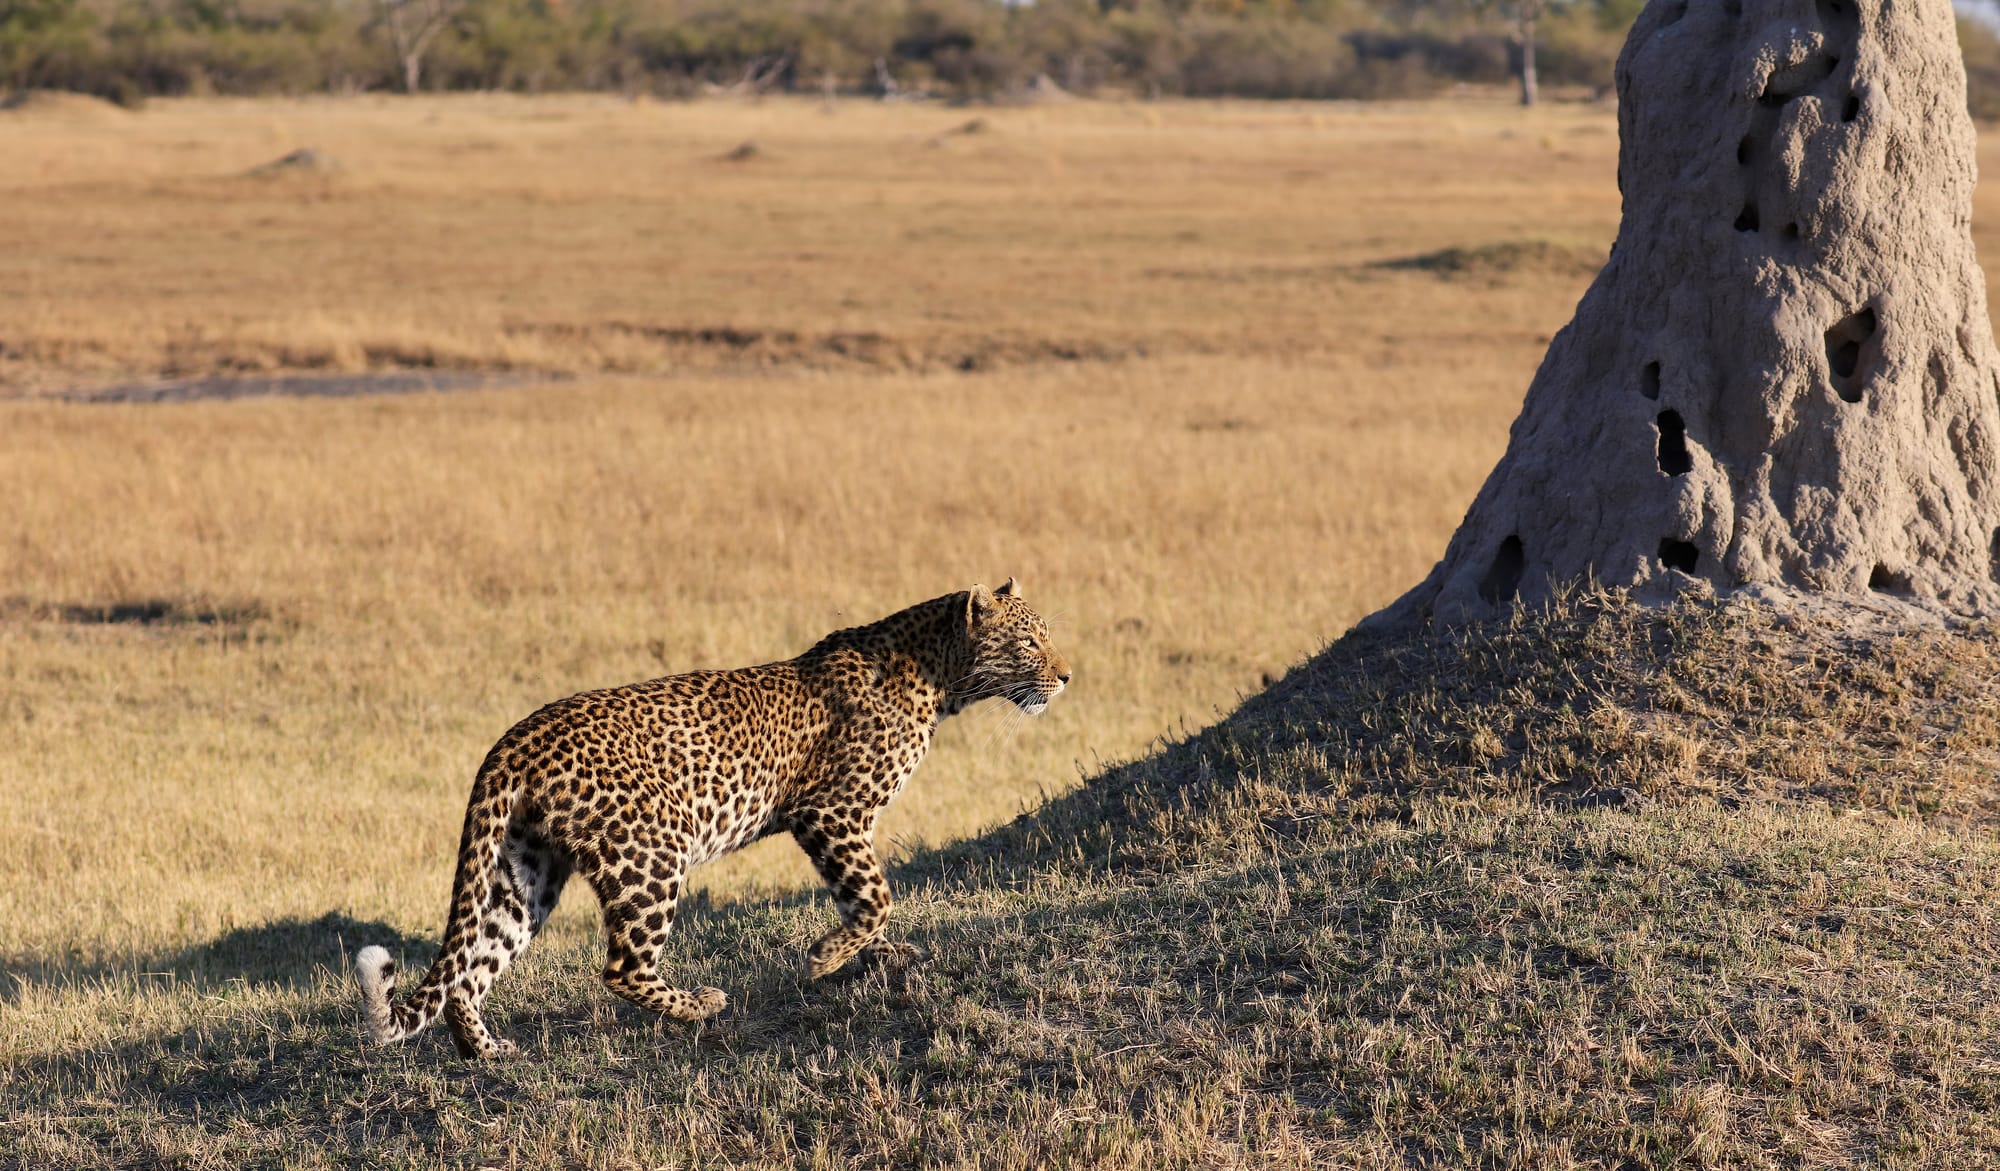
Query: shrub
1982,68
966,48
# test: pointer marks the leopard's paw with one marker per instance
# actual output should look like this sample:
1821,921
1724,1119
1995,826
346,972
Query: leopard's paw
828,956
708,1002
895,953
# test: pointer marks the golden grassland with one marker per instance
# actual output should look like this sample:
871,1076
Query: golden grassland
1134,354
569,233
1158,360
1166,363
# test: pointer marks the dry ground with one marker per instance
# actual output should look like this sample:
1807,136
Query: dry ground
1205,377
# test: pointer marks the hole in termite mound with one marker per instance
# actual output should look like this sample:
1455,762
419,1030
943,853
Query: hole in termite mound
1673,453
1883,581
1849,351
1503,577
1788,83
1678,554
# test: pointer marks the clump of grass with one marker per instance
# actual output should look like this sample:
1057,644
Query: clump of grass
1347,924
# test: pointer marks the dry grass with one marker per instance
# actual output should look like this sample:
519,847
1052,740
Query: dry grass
1213,380
1135,355
590,234
435,567
1317,934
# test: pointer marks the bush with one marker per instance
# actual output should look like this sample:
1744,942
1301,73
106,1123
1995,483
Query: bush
1264,58
1478,57
126,49
1982,69
46,44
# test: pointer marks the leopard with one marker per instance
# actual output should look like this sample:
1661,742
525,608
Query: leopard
631,787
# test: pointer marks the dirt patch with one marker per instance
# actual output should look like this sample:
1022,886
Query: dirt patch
183,390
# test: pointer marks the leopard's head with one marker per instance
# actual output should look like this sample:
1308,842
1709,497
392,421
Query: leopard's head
1012,655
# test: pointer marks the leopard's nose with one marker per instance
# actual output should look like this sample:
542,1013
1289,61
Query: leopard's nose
1062,677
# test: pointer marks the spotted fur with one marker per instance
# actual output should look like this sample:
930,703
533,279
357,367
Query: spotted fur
632,786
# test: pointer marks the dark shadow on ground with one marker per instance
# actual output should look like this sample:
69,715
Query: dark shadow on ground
181,390
1203,946
286,953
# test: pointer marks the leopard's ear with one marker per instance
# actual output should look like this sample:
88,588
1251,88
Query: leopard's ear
1011,590
979,601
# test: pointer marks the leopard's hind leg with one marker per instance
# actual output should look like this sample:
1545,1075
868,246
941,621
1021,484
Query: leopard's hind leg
526,885
639,889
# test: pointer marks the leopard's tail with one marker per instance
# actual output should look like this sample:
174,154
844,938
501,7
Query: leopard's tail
383,1018
376,973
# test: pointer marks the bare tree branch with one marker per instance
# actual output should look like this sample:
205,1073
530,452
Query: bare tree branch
1525,12
413,25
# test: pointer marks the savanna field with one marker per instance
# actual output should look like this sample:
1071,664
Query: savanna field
1212,380
1147,359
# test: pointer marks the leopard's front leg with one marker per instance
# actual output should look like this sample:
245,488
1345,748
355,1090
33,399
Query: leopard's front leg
840,842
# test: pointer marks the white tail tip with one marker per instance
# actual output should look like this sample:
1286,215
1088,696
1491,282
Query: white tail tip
376,973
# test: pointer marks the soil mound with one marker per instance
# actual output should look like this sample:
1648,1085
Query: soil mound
1785,373
1591,699
303,161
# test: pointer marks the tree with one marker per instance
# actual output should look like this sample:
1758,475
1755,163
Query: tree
1525,12
1522,14
413,25
36,36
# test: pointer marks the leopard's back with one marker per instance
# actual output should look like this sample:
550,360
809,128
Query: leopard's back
706,757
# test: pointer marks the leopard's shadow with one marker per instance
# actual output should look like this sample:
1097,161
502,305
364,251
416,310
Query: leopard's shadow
287,953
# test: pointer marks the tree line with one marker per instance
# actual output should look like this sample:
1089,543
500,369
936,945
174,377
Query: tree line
128,50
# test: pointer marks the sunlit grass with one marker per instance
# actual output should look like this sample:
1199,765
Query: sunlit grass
1133,355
